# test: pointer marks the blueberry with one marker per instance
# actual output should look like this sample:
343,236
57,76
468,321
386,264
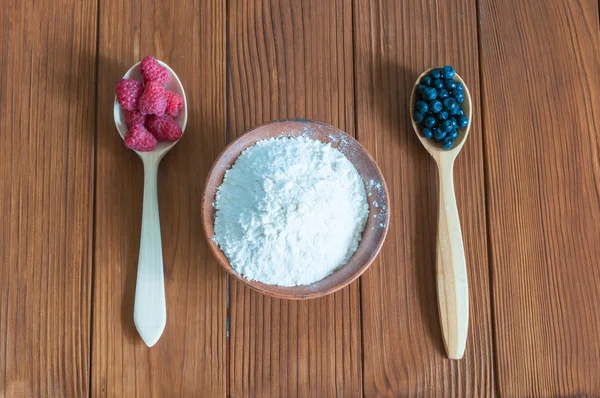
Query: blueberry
448,72
419,117
426,80
439,134
450,104
442,115
427,133
449,84
429,121
435,106
443,93
435,73
421,88
460,112
438,84
459,86
421,106
447,143
446,126
462,121
459,95
453,121
429,93
453,134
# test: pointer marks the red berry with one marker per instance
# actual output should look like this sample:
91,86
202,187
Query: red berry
164,128
153,100
140,139
174,103
133,118
128,92
153,71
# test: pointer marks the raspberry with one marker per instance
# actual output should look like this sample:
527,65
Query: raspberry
174,103
164,128
153,71
153,100
140,139
133,118
128,92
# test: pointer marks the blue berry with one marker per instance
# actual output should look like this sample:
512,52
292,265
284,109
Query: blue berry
426,80
429,93
439,134
450,104
427,133
459,86
438,84
455,110
446,126
419,117
453,121
460,112
442,115
449,84
453,134
421,88
462,121
429,121
421,106
459,95
443,93
447,143
435,106
448,72
435,73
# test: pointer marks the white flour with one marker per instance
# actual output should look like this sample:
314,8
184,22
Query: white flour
290,211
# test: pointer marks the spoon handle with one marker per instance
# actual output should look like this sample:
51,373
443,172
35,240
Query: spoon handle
150,309
451,270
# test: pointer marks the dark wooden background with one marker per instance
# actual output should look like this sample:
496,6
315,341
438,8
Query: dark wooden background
528,187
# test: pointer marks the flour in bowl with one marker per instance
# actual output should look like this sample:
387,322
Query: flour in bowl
290,211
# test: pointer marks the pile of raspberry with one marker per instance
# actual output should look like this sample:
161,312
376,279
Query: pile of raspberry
149,107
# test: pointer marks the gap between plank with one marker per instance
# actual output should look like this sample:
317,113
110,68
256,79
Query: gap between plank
95,179
227,280
356,135
486,186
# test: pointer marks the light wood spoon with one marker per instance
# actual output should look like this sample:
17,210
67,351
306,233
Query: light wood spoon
451,269
150,308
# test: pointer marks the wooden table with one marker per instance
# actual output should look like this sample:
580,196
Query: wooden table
528,187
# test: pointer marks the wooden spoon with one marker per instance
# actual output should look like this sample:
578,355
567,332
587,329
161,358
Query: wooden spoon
150,308
451,269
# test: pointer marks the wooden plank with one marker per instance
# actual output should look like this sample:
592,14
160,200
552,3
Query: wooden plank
292,59
540,70
47,102
402,343
190,357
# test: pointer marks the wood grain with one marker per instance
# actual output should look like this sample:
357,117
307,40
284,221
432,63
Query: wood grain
190,357
292,59
402,341
47,103
67,284
540,65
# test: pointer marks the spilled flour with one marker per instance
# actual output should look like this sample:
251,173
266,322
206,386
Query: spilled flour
290,211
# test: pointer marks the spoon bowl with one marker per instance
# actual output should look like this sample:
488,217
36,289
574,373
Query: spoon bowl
174,85
431,146
451,267
150,308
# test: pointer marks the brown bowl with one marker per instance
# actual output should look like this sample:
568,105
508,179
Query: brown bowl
377,224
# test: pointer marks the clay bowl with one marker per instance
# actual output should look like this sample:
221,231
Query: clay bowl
375,230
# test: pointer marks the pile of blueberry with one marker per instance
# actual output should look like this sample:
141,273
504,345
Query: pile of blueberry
437,109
